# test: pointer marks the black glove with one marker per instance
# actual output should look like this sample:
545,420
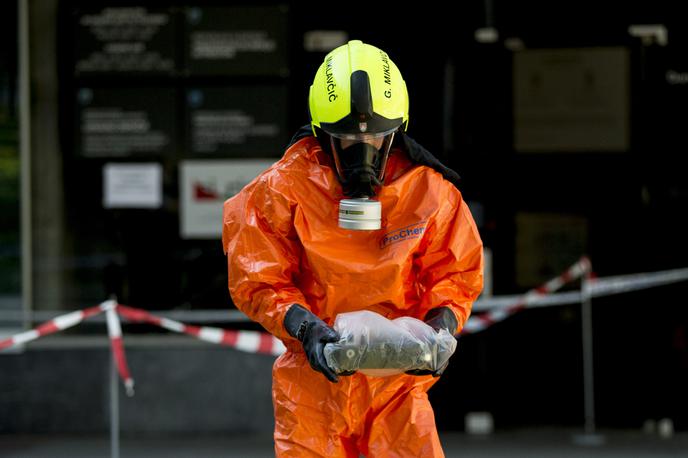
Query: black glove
313,333
438,318
442,318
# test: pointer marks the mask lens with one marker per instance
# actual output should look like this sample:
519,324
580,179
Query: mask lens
354,153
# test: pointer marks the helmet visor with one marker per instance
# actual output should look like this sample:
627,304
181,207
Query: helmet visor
363,137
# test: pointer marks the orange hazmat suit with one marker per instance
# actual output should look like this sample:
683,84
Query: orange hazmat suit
284,246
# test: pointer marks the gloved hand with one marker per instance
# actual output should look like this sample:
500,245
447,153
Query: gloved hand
313,333
438,318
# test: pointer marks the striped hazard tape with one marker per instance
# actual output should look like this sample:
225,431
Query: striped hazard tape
69,320
260,342
477,323
249,341
59,323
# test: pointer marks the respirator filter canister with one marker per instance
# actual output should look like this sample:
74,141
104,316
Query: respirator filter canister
360,214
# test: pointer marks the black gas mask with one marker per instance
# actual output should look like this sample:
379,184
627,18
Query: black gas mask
361,160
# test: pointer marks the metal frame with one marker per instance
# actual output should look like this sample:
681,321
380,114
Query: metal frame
25,162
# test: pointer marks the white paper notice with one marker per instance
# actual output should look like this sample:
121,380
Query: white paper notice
205,185
132,185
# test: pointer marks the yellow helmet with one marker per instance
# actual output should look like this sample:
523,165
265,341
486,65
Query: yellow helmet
358,90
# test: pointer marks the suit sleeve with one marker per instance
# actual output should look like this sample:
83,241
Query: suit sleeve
263,255
451,267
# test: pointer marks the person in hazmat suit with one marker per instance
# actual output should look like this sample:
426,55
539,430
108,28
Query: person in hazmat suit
355,216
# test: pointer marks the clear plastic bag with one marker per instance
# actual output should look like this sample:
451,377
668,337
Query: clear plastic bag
375,345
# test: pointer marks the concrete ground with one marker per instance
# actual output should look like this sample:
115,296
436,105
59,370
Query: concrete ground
540,443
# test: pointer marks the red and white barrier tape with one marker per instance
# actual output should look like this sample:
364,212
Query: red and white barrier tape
248,341
477,323
259,342
56,324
